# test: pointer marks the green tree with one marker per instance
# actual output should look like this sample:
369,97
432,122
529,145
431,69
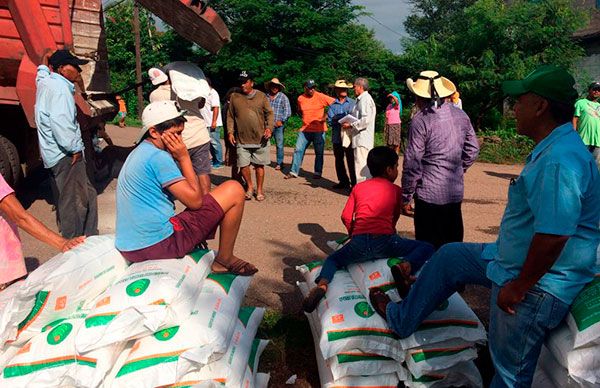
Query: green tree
434,17
496,41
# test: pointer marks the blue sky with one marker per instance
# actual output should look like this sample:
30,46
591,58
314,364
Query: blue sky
390,13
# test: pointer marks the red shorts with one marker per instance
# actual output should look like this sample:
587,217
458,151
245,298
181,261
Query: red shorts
190,228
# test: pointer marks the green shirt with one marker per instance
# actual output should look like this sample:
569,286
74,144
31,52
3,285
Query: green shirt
589,121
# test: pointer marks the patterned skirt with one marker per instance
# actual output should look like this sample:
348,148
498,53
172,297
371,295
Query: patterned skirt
393,134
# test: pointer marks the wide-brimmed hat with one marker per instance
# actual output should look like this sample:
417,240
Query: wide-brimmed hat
342,84
274,81
549,81
431,85
158,112
157,76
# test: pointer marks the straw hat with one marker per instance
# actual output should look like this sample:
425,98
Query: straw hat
430,84
274,81
342,84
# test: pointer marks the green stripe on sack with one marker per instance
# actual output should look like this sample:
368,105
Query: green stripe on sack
40,300
99,320
346,358
338,335
22,370
135,366
245,314
314,264
253,352
198,254
423,356
585,309
437,325
225,280
427,379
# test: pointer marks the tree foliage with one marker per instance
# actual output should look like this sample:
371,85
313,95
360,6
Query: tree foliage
496,41
434,17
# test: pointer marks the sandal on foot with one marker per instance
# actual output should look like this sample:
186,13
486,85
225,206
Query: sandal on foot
379,300
290,176
238,267
260,197
310,303
402,279
248,195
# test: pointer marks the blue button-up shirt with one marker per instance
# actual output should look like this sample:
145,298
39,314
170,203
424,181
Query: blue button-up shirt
336,111
281,107
58,131
558,193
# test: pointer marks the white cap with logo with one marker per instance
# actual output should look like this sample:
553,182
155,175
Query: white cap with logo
158,112
157,76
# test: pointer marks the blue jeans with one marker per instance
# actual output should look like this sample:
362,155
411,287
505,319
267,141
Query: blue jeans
304,140
278,136
216,150
366,247
515,340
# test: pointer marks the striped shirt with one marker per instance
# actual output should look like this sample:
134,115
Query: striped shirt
281,107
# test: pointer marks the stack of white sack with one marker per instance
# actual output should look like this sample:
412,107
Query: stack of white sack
354,346
574,347
440,352
64,285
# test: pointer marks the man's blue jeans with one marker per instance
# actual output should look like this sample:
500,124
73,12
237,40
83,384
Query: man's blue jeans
216,150
304,140
278,136
515,340
365,247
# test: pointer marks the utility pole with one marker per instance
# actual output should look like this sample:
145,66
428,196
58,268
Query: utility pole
138,58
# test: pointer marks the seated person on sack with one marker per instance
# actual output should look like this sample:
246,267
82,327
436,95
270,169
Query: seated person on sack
147,226
370,215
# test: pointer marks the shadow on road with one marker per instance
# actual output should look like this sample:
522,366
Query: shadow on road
319,236
501,175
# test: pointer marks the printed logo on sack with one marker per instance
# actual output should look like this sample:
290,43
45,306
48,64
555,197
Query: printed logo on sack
443,306
363,309
138,287
166,334
59,333
393,261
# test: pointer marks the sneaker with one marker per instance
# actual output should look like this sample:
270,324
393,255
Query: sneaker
217,166
290,176
310,303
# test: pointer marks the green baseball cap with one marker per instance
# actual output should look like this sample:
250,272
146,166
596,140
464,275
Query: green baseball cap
549,81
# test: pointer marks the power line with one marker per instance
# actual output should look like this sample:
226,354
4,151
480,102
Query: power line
384,26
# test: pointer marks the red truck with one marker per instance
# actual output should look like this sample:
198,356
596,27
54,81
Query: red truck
29,29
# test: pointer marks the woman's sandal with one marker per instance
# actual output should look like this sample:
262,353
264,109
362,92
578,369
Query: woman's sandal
379,300
260,197
402,279
238,267
248,195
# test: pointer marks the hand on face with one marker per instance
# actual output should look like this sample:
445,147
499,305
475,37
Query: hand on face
174,144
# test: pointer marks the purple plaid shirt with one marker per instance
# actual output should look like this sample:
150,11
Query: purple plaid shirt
441,146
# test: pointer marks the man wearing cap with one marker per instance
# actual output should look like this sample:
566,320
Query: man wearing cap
587,120
282,112
545,252
363,130
158,171
441,146
61,146
341,107
249,123
311,105
163,86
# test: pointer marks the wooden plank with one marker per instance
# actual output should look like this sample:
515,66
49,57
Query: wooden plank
8,29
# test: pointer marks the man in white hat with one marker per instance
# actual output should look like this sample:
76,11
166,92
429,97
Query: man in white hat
282,110
158,171
363,130
441,146
342,106
163,86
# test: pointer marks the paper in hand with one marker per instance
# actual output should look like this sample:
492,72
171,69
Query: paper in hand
348,119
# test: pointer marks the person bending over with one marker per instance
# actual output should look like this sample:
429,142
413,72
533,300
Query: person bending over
370,216
147,227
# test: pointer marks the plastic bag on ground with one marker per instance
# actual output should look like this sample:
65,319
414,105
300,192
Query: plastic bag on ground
464,375
452,319
347,319
149,297
50,359
584,316
582,364
375,273
166,356
66,284
556,372
439,356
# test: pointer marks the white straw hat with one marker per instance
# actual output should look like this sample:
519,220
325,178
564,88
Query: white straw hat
430,84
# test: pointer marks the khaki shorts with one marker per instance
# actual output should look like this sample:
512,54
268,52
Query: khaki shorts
257,156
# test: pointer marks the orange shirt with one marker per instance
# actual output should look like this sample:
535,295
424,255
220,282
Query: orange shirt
312,109
122,106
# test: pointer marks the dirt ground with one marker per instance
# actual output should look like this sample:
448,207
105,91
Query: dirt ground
292,227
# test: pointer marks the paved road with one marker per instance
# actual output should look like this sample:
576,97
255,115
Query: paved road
296,220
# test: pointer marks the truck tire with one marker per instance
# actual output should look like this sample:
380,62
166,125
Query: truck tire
10,166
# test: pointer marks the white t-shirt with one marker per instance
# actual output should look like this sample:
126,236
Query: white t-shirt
212,101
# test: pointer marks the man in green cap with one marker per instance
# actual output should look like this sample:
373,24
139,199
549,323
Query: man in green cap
546,247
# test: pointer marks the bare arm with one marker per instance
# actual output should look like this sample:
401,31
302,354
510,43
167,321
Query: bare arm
13,209
215,115
188,190
575,122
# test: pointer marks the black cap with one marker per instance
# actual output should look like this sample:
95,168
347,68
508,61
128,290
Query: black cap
310,84
64,57
245,76
594,86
